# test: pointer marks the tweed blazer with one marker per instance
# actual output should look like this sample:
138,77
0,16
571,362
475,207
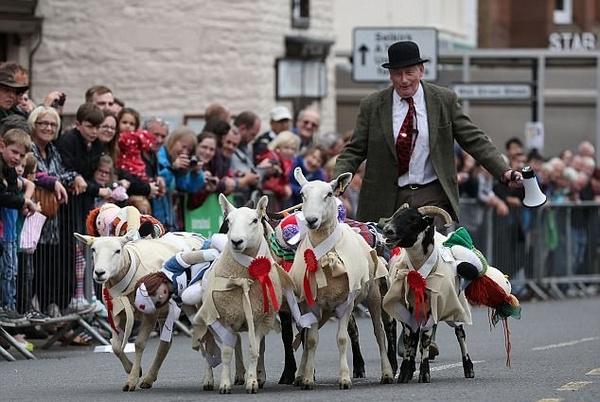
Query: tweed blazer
373,140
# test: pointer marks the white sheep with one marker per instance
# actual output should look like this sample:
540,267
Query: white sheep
333,269
242,292
119,262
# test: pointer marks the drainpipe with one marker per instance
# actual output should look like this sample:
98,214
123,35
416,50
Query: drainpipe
32,53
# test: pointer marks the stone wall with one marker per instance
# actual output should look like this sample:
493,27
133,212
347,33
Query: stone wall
173,58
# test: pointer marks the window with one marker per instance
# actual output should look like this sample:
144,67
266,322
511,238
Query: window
563,11
301,79
300,13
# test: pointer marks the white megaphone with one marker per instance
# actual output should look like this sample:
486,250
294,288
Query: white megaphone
534,197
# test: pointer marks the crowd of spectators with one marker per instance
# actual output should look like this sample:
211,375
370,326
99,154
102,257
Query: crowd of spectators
560,241
111,154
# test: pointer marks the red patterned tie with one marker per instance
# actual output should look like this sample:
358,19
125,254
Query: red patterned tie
404,142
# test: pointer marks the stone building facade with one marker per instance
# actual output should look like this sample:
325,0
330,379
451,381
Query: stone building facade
173,58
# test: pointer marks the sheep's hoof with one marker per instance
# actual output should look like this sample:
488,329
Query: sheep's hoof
252,387
358,372
345,383
239,380
225,389
287,377
433,351
424,375
298,381
407,370
468,367
261,377
128,387
209,386
308,385
386,379
145,385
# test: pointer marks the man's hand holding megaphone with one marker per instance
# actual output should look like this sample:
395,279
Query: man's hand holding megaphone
512,178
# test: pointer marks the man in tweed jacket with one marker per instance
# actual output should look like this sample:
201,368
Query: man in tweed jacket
431,177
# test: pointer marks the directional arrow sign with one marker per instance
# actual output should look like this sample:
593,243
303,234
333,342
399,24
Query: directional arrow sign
369,51
363,54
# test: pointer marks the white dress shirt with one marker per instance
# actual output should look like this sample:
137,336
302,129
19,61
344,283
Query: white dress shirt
420,169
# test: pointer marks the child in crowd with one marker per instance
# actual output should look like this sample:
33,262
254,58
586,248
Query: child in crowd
180,174
132,142
128,119
15,196
27,170
311,164
280,152
116,191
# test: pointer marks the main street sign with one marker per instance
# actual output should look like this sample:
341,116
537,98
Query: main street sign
491,91
369,51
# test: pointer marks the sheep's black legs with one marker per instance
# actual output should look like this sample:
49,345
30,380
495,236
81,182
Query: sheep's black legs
466,359
411,341
287,336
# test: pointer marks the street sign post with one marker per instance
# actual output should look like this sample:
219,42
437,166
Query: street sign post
491,91
369,51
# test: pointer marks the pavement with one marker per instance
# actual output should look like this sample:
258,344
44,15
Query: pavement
555,356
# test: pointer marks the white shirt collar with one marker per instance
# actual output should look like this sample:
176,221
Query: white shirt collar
418,97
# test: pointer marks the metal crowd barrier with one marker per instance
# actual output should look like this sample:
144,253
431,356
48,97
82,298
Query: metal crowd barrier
47,282
552,251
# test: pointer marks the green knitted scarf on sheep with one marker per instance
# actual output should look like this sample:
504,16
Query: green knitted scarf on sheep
283,253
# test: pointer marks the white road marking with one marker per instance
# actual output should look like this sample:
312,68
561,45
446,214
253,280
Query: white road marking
595,371
574,386
563,344
453,365
550,400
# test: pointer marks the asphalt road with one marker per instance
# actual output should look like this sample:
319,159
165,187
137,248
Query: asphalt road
555,356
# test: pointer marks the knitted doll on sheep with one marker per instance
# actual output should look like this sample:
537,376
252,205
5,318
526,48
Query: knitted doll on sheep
112,220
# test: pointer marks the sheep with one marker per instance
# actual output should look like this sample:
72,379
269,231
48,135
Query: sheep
243,292
289,230
332,270
425,286
119,262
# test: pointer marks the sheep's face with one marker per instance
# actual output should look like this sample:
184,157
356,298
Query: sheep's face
107,255
408,227
318,198
318,204
245,224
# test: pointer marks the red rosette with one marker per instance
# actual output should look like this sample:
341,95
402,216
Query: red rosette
109,308
311,260
395,251
417,284
311,267
259,269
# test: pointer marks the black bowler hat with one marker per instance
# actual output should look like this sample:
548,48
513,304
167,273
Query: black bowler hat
403,54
